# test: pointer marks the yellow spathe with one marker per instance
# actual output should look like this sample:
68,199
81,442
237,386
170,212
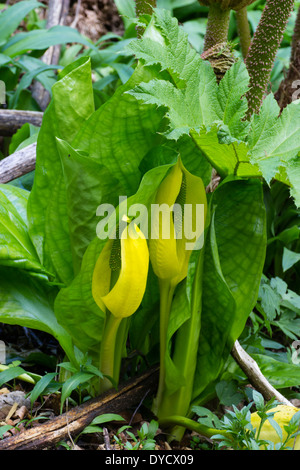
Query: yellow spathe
169,252
124,298
283,415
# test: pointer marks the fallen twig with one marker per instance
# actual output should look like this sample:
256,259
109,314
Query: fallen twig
18,164
12,119
57,14
255,376
47,435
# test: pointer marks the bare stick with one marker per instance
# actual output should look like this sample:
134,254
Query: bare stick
12,119
75,21
56,15
74,421
18,164
255,376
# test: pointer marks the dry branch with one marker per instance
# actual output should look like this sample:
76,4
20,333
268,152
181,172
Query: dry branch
255,376
11,120
74,421
18,164
57,13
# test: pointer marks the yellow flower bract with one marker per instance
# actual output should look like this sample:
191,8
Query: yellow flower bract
283,415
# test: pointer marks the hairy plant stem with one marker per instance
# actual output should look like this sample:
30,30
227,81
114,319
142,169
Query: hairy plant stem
296,35
217,26
243,30
289,88
263,50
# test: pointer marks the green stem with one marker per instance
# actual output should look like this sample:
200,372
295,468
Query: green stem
185,357
243,30
187,423
120,346
217,26
108,352
166,296
30,378
263,49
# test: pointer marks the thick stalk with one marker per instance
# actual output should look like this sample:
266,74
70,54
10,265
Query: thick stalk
185,358
243,30
217,26
263,50
296,35
289,88
166,296
108,351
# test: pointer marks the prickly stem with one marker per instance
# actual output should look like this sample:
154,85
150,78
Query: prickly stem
217,26
263,50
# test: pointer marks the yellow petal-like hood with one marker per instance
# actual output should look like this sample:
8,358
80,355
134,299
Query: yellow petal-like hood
283,415
126,295
170,255
162,244
194,195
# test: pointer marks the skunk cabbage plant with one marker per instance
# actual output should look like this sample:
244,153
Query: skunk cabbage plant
180,301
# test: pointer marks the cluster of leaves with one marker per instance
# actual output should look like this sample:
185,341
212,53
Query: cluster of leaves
193,18
89,155
20,54
117,157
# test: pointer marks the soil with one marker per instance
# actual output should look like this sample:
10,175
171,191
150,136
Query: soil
39,353
92,18
96,18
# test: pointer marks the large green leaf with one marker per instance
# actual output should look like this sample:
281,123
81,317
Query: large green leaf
75,308
233,263
28,302
40,39
280,374
88,184
274,143
121,132
228,156
12,17
189,91
214,115
71,105
16,248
